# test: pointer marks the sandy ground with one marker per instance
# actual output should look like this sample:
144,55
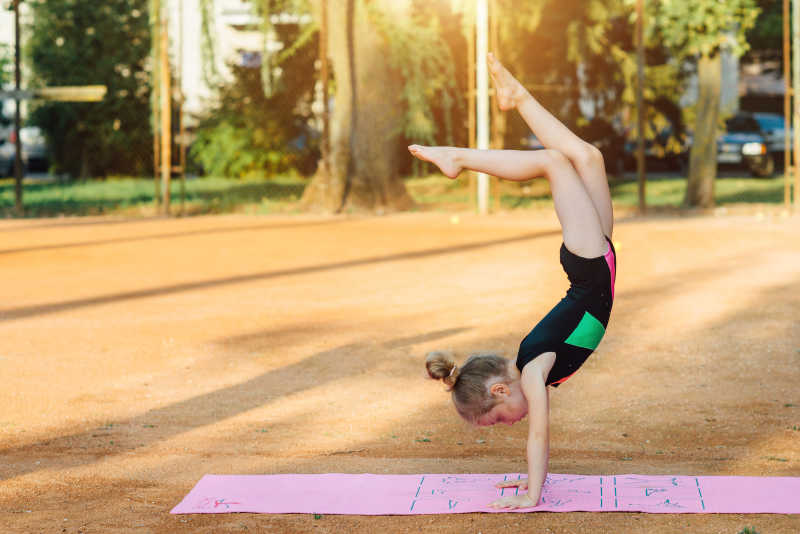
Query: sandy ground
136,356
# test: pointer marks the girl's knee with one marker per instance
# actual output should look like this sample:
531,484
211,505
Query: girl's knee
588,156
555,158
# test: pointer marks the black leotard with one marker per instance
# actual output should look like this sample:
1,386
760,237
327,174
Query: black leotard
575,326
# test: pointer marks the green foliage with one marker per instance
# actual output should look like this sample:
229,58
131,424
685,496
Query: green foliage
6,75
703,27
748,530
250,133
419,53
208,42
603,42
767,32
234,150
271,62
81,42
6,64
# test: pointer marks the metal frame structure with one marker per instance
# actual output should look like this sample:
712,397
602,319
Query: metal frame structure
791,101
165,93
82,93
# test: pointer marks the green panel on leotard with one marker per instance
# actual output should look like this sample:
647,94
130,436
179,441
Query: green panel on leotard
588,333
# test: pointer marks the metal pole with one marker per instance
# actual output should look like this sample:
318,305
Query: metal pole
323,58
482,80
471,95
787,108
640,162
17,118
497,119
155,99
796,94
166,116
181,99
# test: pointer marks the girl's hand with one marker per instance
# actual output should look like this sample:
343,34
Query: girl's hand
515,501
521,483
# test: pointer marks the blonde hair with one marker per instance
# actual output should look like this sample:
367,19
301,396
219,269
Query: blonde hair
468,383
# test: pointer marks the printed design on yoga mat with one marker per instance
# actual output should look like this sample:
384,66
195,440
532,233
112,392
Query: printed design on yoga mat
588,333
367,494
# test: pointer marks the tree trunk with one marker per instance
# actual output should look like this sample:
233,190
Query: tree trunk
703,156
366,117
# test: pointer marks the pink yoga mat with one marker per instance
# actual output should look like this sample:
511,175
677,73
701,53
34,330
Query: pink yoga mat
367,494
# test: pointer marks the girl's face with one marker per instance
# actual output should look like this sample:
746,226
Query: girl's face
512,407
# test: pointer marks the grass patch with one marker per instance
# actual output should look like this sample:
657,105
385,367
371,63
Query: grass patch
669,192
136,195
280,194
437,191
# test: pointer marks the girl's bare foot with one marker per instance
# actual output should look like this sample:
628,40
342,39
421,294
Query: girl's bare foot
509,91
442,156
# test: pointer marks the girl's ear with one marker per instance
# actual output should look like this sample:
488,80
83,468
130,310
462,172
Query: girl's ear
499,389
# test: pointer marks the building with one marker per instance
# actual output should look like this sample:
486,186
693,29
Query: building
238,38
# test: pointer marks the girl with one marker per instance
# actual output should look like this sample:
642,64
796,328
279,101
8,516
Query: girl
490,389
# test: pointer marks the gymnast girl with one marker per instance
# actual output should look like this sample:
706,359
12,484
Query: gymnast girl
490,389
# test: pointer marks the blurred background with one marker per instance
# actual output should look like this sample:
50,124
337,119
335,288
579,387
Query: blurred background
268,106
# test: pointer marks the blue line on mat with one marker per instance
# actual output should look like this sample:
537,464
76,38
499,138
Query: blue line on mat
616,504
417,495
519,477
601,492
700,493
503,490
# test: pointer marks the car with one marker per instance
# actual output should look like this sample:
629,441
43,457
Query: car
34,150
754,141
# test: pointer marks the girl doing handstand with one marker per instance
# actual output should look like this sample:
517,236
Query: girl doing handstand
491,389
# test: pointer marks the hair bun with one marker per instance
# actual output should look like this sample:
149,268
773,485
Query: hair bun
440,366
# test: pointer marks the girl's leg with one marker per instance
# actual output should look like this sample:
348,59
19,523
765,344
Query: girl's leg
552,133
580,223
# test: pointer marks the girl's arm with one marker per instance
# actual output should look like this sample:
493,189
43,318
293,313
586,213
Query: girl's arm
538,448
538,436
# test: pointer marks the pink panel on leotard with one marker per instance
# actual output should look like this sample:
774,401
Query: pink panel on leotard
609,256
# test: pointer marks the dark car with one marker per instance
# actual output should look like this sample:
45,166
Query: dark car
754,141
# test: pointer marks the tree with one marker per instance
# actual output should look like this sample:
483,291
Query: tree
82,42
767,32
602,44
257,129
367,115
701,30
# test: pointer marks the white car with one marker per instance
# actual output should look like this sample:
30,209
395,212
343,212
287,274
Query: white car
34,150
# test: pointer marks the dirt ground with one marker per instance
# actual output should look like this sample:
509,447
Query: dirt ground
136,356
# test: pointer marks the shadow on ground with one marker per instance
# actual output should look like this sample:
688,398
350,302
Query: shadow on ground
10,314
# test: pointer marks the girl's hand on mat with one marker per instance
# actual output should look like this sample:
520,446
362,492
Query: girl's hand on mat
515,501
521,483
